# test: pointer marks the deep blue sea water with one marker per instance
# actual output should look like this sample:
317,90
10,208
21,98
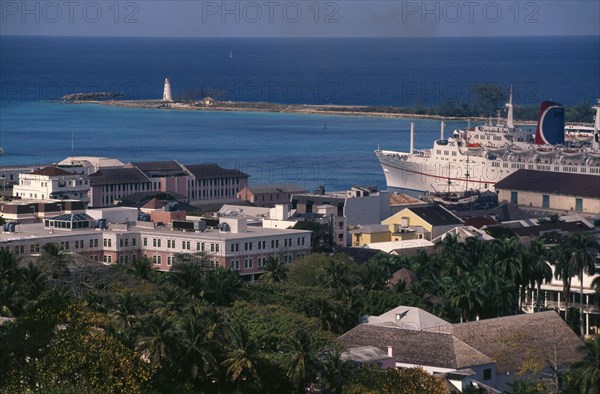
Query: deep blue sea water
309,149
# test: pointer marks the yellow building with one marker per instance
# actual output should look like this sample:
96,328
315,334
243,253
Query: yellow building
426,222
364,235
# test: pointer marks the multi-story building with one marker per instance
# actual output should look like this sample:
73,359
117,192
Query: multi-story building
194,182
269,195
52,183
232,245
359,205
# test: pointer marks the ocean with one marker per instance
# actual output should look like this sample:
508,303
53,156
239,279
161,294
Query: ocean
333,150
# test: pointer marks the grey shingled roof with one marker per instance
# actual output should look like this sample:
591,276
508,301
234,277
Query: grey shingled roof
513,341
109,176
552,182
211,170
417,347
276,187
436,215
170,165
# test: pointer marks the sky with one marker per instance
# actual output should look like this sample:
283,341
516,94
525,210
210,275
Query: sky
301,18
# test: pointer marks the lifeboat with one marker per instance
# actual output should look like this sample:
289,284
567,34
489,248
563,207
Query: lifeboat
495,149
572,152
474,146
519,150
594,153
546,150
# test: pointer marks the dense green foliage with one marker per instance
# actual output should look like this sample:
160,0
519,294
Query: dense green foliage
127,328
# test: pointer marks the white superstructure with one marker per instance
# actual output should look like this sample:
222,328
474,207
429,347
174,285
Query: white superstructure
479,157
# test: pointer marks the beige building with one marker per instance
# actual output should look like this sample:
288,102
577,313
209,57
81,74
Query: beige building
551,190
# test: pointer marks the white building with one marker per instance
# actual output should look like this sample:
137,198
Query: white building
52,183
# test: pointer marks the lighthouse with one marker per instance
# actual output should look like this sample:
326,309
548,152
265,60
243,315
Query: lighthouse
167,92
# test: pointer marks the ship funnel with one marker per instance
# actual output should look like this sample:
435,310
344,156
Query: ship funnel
551,124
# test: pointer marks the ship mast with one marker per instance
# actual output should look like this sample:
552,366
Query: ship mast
467,175
509,117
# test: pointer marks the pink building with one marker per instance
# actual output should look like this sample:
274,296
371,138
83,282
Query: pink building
197,182
234,245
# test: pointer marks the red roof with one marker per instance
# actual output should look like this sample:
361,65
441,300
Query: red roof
154,204
52,171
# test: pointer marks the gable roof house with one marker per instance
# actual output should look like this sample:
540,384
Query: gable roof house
498,351
426,222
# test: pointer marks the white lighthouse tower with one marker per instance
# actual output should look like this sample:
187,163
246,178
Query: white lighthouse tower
167,96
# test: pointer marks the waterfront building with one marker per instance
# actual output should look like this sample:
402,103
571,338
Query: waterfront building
268,195
551,190
113,235
52,183
193,182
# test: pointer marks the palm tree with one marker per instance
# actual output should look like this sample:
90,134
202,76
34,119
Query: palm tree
465,293
275,271
334,371
579,244
55,259
9,283
337,276
243,355
586,372
507,258
158,338
301,358
565,268
142,268
195,358
538,269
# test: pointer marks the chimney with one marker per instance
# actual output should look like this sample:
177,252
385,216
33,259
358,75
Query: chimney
390,351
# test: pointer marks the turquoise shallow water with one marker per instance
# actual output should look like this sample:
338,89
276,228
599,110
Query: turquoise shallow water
336,151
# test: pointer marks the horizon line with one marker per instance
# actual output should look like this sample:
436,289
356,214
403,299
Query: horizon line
295,37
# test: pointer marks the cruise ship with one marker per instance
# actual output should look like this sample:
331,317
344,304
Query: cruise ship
478,157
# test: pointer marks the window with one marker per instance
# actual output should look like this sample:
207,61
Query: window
145,241
132,241
514,197
156,260
234,265
169,260
262,262
579,204
248,263
545,201
487,374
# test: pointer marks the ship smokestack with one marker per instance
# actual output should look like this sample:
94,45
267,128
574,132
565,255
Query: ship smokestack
551,124
167,96
412,137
